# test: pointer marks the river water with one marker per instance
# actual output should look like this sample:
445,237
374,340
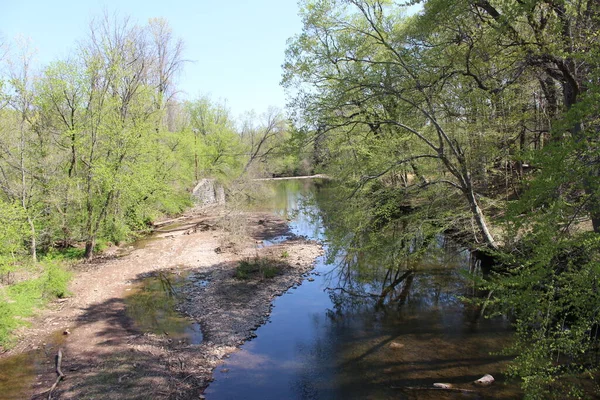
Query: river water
340,344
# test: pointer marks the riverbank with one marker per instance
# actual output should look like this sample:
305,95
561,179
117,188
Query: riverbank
106,355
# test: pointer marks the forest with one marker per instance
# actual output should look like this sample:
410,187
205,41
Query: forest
474,118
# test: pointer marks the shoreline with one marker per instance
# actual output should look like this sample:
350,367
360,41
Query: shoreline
105,353
285,178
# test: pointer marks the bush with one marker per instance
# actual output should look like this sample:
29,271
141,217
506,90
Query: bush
55,282
257,268
69,253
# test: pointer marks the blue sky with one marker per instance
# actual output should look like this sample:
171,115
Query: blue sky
237,47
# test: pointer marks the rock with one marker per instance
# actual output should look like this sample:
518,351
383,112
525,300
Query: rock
485,380
396,345
311,279
67,332
443,385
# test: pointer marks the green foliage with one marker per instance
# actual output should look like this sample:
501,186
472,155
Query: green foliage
21,300
216,147
59,254
552,291
54,281
257,268
13,230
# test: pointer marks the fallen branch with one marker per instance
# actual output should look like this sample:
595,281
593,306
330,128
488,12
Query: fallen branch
447,389
161,223
59,372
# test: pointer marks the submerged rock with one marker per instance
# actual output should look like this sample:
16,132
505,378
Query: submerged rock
443,385
485,380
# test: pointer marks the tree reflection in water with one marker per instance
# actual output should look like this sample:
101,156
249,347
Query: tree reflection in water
386,259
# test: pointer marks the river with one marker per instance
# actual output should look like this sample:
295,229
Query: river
345,343
334,336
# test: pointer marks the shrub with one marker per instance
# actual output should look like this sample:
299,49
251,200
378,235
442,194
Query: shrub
260,268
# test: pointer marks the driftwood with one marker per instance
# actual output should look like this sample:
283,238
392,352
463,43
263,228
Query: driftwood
447,389
59,372
168,221
485,380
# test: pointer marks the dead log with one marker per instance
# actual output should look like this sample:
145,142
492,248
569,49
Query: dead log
59,372
161,223
447,389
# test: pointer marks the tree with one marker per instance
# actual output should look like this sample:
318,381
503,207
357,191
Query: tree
20,180
217,147
166,62
359,64
264,138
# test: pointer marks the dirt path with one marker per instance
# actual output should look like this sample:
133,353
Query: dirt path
107,357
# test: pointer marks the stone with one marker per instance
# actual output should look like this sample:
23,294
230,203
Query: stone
443,385
485,380
396,345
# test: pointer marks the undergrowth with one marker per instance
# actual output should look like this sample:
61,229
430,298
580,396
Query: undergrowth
20,300
257,268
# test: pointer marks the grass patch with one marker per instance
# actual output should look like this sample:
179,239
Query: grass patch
20,300
60,254
257,268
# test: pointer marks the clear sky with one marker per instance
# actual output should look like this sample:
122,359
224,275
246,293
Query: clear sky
237,47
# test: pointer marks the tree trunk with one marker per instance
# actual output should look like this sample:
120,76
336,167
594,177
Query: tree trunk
89,248
33,245
480,219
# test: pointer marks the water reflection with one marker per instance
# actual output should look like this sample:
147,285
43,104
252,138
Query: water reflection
19,372
383,316
152,307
